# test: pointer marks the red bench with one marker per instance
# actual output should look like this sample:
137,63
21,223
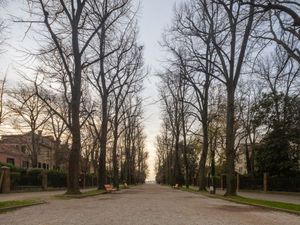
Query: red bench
109,188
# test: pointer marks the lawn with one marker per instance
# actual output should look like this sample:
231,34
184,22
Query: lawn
6,205
266,203
284,206
82,195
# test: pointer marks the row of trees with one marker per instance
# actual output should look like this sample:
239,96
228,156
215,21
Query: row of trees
232,79
86,82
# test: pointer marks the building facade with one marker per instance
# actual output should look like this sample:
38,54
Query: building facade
17,150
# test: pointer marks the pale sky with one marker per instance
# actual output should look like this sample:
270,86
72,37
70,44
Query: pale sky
154,16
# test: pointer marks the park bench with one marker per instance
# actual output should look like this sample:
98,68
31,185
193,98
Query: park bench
176,186
109,188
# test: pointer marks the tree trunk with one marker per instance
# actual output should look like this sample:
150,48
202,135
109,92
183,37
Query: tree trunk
34,158
230,140
205,146
248,160
74,158
103,141
202,178
115,157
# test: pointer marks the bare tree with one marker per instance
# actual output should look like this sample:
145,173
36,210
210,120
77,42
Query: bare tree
230,40
126,85
3,89
68,28
58,128
247,96
2,27
28,111
192,47
115,42
281,24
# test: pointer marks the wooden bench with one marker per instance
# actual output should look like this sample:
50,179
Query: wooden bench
109,188
176,186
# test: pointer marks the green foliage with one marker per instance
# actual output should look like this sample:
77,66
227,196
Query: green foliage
82,195
273,155
34,177
17,203
266,203
251,182
12,167
278,153
90,180
289,184
15,178
57,178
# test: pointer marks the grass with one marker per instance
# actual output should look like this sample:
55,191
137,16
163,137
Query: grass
271,192
82,195
87,193
289,207
24,189
9,205
282,206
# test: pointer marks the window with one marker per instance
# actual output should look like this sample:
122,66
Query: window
47,166
11,161
39,165
25,164
23,148
44,165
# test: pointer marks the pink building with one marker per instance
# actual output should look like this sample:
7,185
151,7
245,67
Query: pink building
14,154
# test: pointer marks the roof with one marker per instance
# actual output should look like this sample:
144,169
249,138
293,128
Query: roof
11,149
46,141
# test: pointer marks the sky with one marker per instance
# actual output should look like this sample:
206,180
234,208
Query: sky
153,17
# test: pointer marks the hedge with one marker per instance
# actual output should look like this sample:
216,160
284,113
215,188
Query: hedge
251,182
57,178
289,184
32,177
15,178
12,167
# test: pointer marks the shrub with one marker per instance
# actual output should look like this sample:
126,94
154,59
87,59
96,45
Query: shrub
57,178
15,178
290,184
12,167
34,177
90,180
251,182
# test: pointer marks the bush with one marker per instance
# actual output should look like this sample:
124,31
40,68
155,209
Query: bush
57,178
34,177
90,180
15,178
251,182
12,167
289,184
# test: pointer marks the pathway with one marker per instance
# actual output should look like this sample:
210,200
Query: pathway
146,205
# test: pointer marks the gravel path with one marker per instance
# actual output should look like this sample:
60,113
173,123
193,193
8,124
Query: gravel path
147,204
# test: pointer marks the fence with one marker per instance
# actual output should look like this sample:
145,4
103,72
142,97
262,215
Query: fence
34,179
289,184
263,183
